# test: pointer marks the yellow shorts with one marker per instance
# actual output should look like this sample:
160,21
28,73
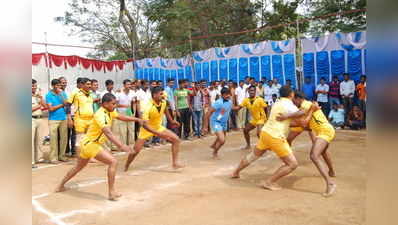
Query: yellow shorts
144,134
89,149
296,129
257,122
81,125
327,133
277,145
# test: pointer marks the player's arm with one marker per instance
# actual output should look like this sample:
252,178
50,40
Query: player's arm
129,119
236,107
305,122
293,115
206,119
112,138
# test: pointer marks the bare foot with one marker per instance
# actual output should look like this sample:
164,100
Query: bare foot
92,161
247,147
126,168
332,173
215,156
114,196
60,189
178,166
330,190
235,175
271,186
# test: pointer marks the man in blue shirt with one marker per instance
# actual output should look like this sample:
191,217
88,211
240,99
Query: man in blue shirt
218,114
56,102
309,89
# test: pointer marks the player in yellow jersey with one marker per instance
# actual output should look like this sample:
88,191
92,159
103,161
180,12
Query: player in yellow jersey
300,102
324,134
273,137
153,114
92,144
256,107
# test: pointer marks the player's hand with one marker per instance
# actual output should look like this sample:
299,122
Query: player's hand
281,117
140,121
177,124
315,106
126,148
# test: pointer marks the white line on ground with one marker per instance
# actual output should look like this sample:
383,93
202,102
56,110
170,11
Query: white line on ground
53,218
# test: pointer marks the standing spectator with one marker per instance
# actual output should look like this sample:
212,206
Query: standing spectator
336,116
37,104
184,108
268,92
275,87
109,85
83,104
247,82
213,92
70,146
172,108
362,94
289,84
197,113
125,101
56,101
206,102
144,96
260,89
309,89
95,95
108,88
232,119
240,94
356,119
347,90
322,95
135,90
334,91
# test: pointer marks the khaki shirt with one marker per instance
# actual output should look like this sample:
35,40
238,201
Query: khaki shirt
35,103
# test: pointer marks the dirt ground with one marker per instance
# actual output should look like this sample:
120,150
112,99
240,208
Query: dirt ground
203,193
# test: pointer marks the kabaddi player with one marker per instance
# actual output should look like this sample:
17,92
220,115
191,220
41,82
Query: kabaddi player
256,106
273,137
324,134
153,114
92,144
219,113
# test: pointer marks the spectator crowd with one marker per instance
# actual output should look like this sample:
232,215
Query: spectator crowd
344,102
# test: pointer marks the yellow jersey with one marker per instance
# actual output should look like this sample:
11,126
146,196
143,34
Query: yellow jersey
154,113
275,128
83,104
318,119
102,118
256,107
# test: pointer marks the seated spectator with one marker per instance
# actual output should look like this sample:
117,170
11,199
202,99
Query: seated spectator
356,119
336,116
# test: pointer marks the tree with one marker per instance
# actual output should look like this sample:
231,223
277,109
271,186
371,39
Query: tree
345,23
109,24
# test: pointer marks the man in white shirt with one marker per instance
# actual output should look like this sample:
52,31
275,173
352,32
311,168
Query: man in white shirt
143,96
347,90
322,91
125,101
268,91
214,92
275,87
240,94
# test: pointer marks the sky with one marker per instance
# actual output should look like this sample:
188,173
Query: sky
43,14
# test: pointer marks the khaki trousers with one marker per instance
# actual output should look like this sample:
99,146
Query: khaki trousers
57,152
241,118
124,131
35,140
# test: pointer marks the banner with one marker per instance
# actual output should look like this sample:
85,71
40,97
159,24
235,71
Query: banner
334,54
266,59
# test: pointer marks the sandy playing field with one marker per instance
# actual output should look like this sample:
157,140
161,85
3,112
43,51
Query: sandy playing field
203,193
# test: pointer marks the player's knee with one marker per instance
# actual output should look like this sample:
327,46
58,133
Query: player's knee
113,162
293,165
251,157
221,141
314,157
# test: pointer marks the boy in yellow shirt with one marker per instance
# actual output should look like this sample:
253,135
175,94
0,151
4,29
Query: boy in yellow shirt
153,115
92,144
256,107
273,137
